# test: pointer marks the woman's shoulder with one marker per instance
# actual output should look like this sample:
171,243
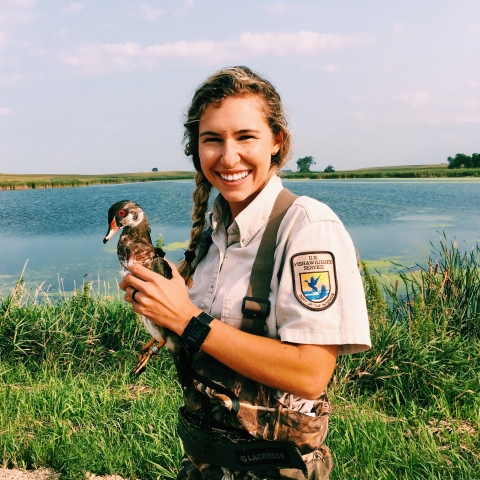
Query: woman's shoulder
312,210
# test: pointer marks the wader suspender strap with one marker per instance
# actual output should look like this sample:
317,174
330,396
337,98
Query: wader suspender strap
256,306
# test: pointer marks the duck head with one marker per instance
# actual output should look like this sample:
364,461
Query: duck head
124,213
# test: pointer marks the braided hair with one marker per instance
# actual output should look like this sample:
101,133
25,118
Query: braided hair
228,82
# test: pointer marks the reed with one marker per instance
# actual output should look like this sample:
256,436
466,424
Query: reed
21,182
406,409
393,172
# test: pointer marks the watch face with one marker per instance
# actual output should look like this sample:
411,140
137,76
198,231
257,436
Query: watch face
197,330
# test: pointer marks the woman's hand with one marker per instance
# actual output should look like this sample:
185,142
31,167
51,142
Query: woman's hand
165,302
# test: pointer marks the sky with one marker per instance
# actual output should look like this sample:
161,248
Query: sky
98,87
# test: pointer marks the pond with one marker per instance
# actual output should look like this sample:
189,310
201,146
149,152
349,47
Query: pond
60,231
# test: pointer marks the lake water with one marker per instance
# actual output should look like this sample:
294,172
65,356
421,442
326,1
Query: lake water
60,231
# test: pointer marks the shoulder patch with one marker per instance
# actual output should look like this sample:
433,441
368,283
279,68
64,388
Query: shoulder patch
314,279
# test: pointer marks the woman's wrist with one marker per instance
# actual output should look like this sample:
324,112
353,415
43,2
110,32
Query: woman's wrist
186,316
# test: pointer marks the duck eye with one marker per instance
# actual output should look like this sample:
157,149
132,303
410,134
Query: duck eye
122,213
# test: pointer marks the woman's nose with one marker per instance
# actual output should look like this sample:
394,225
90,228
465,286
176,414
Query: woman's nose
230,155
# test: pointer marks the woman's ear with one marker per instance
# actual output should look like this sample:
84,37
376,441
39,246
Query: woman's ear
277,143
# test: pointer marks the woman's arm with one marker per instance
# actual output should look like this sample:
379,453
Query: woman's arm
302,370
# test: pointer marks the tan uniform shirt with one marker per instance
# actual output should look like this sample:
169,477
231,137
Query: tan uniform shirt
316,292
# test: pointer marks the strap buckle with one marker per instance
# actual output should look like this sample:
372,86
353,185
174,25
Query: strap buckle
256,307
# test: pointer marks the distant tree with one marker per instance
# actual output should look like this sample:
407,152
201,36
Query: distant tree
461,160
329,169
476,160
155,169
304,164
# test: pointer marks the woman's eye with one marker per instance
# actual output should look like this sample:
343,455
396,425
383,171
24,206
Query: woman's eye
245,137
212,140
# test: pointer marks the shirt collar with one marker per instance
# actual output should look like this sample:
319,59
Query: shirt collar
250,220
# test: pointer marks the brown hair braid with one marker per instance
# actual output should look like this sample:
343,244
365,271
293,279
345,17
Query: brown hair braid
228,82
200,198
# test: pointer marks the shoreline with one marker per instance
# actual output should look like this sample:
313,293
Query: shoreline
47,181
420,172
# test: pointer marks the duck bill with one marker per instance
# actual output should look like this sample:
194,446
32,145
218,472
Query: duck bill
112,230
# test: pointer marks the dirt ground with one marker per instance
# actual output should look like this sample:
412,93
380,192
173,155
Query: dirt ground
43,474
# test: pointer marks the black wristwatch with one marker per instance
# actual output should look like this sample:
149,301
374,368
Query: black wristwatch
197,330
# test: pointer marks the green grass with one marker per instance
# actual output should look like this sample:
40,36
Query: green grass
407,171
20,182
409,408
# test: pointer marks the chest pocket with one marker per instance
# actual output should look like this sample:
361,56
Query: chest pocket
232,312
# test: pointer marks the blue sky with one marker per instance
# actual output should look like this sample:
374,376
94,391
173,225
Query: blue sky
101,86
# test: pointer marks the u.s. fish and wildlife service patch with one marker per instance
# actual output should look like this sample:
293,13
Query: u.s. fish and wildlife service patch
314,279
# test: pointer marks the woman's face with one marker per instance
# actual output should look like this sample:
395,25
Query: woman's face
235,149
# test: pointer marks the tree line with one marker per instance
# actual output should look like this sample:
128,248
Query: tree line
304,164
466,161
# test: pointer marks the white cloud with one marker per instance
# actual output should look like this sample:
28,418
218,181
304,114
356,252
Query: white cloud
9,80
362,115
187,5
4,111
398,27
466,118
21,3
330,68
356,99
101,58
413,99
473,28
3,39
379,101
17,11
73,8
475,85
18,16
149,12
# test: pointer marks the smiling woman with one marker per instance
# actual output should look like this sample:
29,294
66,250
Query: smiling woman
236,149
273,296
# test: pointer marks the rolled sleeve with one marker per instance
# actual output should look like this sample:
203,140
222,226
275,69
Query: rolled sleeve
344,321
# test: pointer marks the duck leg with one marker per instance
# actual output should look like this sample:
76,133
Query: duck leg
147,351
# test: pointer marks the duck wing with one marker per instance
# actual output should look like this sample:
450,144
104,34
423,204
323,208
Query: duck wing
161,266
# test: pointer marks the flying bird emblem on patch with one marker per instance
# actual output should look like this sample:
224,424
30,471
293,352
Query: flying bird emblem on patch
314,279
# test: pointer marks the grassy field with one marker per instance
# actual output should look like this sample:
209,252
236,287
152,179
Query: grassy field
405,171
19,182
409,408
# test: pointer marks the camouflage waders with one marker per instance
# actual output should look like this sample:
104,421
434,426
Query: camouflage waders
319,464
234,428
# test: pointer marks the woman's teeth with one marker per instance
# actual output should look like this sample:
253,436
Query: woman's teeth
235,176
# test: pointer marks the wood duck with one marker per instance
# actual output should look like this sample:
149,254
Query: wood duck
135,246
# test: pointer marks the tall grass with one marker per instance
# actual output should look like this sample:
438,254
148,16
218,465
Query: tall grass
393,172
409,408
19,182
413,400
